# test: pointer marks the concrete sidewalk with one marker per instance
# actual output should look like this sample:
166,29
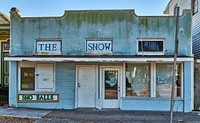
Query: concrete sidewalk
93,116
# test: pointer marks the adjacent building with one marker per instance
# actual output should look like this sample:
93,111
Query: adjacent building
194,5
99,59
4,51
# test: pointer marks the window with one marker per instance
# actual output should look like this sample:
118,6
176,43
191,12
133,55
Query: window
36,76
27,78
150,47
164,76
152,79
195,6
138,80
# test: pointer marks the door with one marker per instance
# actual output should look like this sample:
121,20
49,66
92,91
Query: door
86,86
111,87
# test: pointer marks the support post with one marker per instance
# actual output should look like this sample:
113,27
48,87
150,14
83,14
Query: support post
175,60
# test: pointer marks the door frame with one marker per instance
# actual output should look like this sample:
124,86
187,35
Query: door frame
102,69
76,83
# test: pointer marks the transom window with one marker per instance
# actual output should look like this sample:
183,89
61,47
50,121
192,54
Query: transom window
150,46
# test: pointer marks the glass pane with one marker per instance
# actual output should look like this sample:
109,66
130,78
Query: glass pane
151,46
27,78
164,75
138,80
111,84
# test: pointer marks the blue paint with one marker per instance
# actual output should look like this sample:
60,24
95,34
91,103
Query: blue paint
65,87
154,104
187,86
74,31
124,27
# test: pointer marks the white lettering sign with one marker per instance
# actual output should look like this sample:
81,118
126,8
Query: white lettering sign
49,47
99,47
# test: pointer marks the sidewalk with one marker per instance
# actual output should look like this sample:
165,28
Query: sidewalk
27,115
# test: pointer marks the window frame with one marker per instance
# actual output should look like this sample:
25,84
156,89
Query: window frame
150,52
33,65
150,84
194,5
153,80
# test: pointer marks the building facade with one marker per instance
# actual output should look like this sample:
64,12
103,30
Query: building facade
99,59
4,51
194,5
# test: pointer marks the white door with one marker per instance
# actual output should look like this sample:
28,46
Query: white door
111,87
86,86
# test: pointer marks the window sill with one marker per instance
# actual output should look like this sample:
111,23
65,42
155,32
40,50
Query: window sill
150,53
151,98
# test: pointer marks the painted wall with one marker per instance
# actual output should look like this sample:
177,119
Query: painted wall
65,87
75,26
121,25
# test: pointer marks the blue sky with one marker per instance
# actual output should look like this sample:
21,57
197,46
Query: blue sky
38,8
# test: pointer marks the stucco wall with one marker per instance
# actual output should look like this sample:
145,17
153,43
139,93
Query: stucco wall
121,25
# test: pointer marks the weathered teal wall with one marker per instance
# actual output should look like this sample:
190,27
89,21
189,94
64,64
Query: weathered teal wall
65,87
121,25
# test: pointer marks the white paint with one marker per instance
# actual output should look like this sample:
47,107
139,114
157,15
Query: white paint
86,86
150,53
111,103
97,59
99,47
48,47
44,77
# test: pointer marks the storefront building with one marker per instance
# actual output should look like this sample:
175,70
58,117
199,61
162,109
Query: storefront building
99,59
4,51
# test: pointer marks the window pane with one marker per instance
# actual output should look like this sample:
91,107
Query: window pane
138,80
27,78
151,46
111,84
164,75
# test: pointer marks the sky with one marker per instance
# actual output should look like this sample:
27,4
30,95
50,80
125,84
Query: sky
41,8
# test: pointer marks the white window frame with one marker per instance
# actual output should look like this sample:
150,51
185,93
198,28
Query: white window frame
33,65
153,80
150,53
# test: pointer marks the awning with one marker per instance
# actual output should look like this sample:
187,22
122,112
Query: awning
98,59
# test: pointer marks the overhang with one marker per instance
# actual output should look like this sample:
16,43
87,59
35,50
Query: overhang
99,59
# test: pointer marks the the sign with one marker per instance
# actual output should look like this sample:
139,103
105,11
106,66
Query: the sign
99,47
38,97
48,47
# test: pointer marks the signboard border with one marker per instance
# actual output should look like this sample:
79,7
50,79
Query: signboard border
18,95
98,39
46,40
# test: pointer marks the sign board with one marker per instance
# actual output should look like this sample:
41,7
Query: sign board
99,46
38,97
48,47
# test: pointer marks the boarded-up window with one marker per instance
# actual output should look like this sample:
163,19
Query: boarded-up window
45,77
